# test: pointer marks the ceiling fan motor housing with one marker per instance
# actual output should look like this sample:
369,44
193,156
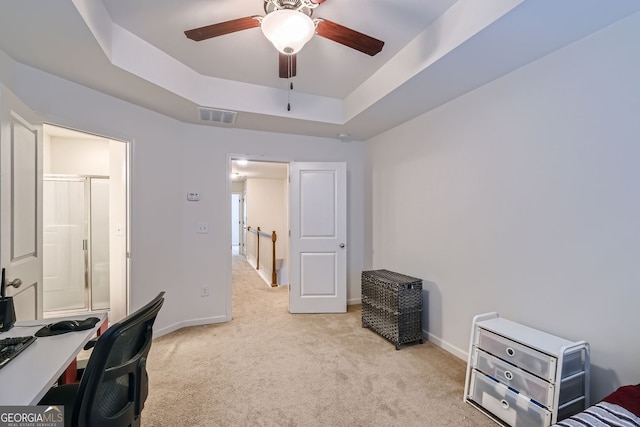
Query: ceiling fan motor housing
303,6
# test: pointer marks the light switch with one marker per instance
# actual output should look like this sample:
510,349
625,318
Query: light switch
203,228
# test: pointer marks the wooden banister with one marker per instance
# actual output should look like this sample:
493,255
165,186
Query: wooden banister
258,232
274,274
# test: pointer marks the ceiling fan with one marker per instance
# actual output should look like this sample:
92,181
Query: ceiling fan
288,25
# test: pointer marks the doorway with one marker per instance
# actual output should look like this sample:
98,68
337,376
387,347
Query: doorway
85,218
313,242
259,198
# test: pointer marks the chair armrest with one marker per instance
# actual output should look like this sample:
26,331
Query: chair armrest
90,344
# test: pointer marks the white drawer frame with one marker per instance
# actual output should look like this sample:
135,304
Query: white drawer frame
548,344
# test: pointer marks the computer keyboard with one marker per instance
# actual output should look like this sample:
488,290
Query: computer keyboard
11,347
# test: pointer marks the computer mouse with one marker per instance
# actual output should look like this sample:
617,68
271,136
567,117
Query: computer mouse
65,325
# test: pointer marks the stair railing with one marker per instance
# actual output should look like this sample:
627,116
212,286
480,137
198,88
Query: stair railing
258,232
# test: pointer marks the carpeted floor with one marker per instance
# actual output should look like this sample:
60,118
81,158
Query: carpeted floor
271,368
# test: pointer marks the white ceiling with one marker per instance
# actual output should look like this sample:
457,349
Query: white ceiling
434,51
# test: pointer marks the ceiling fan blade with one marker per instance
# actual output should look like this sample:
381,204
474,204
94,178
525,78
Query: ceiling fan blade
287,65
222,28
348,37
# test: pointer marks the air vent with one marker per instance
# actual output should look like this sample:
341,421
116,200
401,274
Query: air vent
217,116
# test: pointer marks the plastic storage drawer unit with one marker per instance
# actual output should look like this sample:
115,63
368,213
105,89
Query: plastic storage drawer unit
524,377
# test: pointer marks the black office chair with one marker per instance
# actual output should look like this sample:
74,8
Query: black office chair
114,385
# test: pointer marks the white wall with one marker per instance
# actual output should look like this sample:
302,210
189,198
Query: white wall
209,144
77,156
237,187
522,198
169,159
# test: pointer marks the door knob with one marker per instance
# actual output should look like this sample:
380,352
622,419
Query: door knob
342,245
16,283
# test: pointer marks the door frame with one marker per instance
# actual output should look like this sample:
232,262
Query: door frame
251,158
127,168
288,162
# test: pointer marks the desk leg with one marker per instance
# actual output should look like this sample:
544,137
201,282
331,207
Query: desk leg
102,329
70,375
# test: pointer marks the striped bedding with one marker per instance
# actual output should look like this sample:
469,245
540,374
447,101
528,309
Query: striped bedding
620,408
602,414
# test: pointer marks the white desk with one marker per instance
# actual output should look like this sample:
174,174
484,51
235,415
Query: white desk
29,376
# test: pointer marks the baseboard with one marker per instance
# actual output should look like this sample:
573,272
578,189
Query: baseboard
461,354
266,277
194,322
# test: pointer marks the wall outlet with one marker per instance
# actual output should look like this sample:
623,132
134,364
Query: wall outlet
202,228
204,291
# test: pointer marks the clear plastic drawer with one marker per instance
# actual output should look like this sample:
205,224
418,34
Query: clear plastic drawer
512,408
536,388
529,359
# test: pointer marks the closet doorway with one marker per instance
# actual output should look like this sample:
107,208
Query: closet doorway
85,224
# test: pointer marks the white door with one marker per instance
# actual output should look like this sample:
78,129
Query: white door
318,252
21,203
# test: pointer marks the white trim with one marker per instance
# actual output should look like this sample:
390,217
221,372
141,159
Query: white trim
445,345
157,333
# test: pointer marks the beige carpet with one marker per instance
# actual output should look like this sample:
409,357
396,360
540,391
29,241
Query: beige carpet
271,368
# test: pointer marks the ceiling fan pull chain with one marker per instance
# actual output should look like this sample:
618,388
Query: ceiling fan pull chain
289,94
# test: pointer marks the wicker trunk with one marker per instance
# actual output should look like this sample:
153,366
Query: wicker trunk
392,306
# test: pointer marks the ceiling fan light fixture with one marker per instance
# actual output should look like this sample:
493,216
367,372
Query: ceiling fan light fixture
288,30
